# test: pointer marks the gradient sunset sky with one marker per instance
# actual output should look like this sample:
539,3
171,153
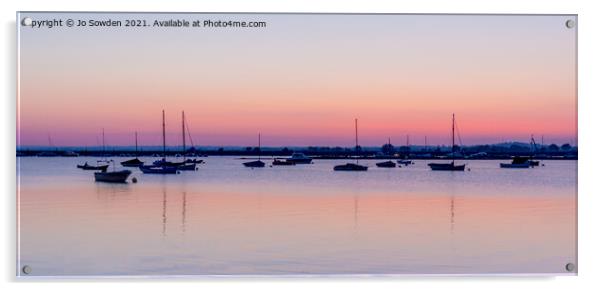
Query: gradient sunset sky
300,81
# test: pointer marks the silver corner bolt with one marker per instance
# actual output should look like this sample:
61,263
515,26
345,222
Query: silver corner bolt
570,23
26,269
26,21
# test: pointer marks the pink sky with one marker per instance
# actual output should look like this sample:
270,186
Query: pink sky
302,81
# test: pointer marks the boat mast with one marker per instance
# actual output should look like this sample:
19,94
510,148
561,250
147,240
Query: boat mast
259,146
356,144
164,154
136,142
103,141
183,138
453,136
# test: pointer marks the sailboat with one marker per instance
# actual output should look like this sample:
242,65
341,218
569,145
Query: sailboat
161,166
112,176
98,167
532,162
351,166
389,163
258,163
406,161
449,166
185,166
134,162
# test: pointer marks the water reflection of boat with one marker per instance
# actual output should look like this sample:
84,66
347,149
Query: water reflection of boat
86,166
351,166
449,166
387,164
517,163
258,163
278,162
299,158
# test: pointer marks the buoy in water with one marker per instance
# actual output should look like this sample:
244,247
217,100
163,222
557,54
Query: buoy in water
134,180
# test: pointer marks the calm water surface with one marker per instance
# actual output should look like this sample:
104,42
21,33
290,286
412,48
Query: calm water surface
304,219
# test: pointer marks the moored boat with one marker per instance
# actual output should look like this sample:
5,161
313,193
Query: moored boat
449,166
446,166
86,166
299,158
159,170
132,163
278,162
517,163
258,163
135,162
351,166
405,162
254,164
387,164
113,176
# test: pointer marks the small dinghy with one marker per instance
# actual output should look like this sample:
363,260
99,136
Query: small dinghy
86,166
193,161
113,176
517,163
387,164
278,162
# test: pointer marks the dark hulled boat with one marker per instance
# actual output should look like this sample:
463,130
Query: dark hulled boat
278,162
161,166
112,177
387,164
159,170
405,162
254,164
135,162
132,163
85,166
517,163
449,166
446,166
299,158
351,166
258,163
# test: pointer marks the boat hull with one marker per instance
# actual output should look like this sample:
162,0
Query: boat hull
515,166
112,177
387,164
300,161
254,164
350,167
187,167
93,168
282,163
132,163
404,162
158,170
446,167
